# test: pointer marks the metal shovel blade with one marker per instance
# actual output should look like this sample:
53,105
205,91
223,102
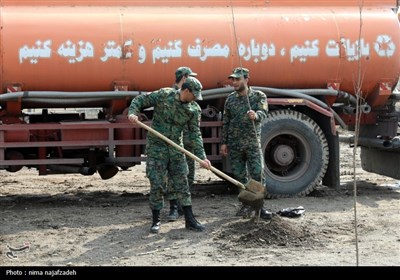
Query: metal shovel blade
253,195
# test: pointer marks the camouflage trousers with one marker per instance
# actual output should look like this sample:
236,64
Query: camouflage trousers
247,162
171,193
176,170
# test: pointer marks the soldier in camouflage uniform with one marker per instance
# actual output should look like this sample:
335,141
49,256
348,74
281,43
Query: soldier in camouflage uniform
244,111
175,209
173,110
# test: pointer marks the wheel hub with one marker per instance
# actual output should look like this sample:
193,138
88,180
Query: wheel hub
283,155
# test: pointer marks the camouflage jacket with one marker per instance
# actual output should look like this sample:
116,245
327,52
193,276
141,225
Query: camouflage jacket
187,143
238,129
170,118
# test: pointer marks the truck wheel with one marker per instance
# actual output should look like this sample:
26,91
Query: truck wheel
14,155
296,153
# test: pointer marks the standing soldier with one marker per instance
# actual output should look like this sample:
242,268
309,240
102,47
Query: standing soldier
175,209
244,110
173,111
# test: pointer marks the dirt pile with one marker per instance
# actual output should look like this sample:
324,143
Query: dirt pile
253,233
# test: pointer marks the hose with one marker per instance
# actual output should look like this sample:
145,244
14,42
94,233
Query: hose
78,98
296,94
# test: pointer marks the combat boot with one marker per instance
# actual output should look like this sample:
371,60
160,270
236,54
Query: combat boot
173,210
265,214
190,222
244,211
180,210
155,226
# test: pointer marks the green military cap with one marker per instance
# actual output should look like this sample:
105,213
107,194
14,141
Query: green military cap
183,71
239,72
195,87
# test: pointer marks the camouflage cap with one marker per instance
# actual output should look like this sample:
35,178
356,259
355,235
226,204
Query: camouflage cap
195,86
183,71
239,72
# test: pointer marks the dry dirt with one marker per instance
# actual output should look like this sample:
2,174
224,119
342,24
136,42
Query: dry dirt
73,220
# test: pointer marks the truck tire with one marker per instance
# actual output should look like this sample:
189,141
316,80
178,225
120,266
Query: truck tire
296,153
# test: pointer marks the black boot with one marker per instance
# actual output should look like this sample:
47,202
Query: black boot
173,210
244,211
180,210
190,221
155,226
265,214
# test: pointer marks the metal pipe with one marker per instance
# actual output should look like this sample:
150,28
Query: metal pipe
365,108
72,169
348,109
371,142
15,96
79,98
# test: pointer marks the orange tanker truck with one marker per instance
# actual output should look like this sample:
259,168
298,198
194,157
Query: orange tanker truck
321,64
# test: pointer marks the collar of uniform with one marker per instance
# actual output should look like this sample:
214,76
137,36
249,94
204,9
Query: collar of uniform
249,92
176,96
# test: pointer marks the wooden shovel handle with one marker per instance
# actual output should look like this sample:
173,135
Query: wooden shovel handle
194,157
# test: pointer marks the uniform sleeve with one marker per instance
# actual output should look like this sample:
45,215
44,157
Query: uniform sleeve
143,101
261,107
225,123
195,134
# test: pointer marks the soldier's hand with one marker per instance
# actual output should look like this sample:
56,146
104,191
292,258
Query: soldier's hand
205,164
133,118
223,150
252,115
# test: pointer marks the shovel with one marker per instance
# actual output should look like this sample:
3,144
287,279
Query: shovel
251,194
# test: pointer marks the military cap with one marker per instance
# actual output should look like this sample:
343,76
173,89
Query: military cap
195,86
183,71
239,72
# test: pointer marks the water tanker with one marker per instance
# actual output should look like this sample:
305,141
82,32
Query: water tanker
321,65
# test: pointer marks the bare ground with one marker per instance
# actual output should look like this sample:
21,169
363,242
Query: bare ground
73,220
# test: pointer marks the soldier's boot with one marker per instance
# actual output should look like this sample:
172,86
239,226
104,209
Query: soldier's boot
244,211
265,214
173,210
155,226
190,222
180,210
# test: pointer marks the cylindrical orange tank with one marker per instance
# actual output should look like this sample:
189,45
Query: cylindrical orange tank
91,45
